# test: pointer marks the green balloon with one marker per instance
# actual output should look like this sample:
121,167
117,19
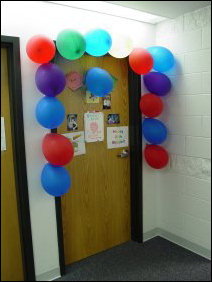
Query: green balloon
70,44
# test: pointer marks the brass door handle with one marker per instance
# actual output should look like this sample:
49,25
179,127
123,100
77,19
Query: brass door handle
123,154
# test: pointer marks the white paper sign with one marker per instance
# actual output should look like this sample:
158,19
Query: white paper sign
117,137
94,126
3,138
78,141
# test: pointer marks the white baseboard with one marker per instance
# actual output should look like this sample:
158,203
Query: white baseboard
151,234
206,253
49,276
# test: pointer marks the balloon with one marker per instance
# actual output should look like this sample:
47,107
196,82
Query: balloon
57,149
55,180
98,42
122,45
156,156
99,82
40,49
50,79
163,59
70,44
50,112
141,61
151,105
154,131
157,83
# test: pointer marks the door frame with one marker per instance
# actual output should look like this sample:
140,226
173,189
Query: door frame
12,44
136,169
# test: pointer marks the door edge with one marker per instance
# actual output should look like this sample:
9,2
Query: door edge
14,70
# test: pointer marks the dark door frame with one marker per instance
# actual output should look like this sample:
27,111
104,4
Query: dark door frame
136,186
16,110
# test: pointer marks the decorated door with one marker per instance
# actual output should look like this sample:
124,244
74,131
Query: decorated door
96,210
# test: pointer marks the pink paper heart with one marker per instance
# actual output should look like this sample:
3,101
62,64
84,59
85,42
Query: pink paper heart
74,80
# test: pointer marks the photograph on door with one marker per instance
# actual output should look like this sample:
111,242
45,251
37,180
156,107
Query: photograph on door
72,122
113,119
106,102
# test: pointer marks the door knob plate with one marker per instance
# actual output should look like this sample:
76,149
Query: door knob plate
123,154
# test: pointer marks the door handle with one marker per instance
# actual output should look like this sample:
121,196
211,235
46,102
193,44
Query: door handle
123,154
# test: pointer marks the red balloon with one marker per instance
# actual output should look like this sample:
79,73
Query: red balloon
156,156
141,61
40,49
151,105
57,149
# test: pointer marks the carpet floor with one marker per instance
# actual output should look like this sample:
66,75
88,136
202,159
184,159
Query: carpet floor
155,260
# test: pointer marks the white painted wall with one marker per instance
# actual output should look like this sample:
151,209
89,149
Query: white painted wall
184,190
25,19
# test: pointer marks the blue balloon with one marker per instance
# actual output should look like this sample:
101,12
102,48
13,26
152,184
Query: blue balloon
154,131
98,42
163,59
50,112
55,180
99,82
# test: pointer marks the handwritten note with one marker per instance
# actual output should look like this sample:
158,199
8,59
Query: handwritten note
117,137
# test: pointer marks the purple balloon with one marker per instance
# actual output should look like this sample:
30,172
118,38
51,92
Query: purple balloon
157,83
50,79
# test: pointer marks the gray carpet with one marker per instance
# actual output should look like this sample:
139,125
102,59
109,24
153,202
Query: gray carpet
155,260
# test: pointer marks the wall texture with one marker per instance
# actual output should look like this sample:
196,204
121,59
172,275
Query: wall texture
184,192
25,19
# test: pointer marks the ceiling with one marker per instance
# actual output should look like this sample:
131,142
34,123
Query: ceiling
168,9
107,8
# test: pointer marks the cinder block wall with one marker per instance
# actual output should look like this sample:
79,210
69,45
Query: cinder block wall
184,188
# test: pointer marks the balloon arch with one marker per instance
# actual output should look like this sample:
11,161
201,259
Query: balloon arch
50,81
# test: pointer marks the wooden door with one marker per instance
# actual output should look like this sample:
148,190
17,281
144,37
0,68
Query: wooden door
96,211
11,256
